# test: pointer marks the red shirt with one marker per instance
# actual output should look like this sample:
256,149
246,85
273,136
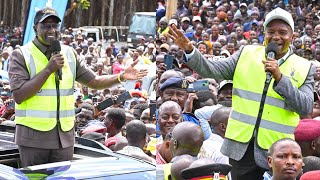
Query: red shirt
117,68
159,159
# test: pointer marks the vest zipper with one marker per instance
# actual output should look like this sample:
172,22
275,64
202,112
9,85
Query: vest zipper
263,99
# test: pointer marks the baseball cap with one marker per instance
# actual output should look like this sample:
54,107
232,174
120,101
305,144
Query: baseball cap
224,83
174,82
281,14
255,22
151,45
225,52
243,4
165,45
173,21
237,16
42,14
196,18
185,19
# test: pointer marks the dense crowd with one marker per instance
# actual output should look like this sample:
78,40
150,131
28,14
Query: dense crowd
191,125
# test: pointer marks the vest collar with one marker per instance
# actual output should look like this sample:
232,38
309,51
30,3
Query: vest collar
39,45
285,57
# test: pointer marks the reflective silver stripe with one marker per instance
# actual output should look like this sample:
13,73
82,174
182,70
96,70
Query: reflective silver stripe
264,123
53,92
33,69
27,55
257,97
44,114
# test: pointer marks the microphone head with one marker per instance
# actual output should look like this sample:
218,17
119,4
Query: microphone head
272,47
55,46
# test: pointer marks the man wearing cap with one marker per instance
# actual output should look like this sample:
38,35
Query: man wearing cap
253,27
307,134
44,102
163,26
150,54
264,108
195,21
243,11
185,24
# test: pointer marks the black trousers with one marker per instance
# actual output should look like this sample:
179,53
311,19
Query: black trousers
246,168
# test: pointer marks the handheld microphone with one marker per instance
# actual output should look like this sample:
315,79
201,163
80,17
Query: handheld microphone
271,50
56,48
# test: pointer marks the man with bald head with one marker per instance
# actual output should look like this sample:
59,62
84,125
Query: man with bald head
211,147
179,163
170,114
136,136
187,138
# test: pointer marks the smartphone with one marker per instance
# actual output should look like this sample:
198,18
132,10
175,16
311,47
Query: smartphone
94,100
210,9
168,61
200,85
104,104
123,97
153,107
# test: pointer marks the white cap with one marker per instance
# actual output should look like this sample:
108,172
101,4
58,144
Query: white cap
173,21
196,18
281,14
243,4
223,83
225,52
151,45
185,19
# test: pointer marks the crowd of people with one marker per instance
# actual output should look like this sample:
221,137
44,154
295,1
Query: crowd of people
259,116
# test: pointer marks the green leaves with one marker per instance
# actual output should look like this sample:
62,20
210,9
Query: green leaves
84,4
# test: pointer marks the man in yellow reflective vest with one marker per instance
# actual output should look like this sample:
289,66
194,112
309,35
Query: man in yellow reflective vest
45,112
264,109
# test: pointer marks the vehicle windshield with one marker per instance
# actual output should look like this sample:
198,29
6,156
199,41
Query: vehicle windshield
143,24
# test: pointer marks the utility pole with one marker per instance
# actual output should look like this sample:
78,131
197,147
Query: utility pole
171,8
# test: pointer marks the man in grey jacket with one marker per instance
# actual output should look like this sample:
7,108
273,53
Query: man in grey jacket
248,157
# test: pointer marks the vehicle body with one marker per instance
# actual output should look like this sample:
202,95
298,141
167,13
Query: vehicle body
103,34
142,25
91,160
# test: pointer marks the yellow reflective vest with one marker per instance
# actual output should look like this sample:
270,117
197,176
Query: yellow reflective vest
278,120
42,111
167,171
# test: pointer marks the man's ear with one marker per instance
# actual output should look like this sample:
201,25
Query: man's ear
175,144
269,159
223,127
167,144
